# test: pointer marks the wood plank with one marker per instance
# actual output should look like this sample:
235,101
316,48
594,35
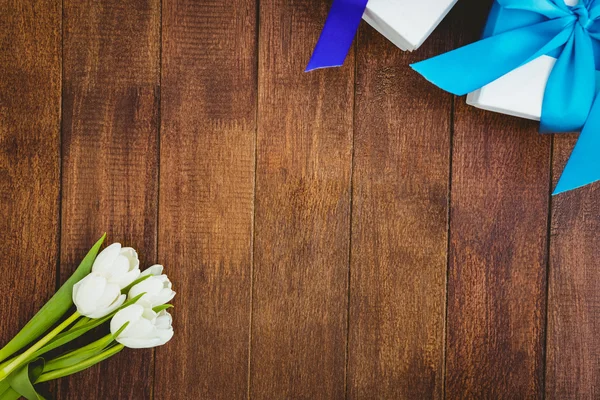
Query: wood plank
498,246
304,147
110,164
207,194
30,82
399,223
573,363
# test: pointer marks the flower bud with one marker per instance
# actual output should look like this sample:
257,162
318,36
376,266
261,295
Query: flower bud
118,265
145,327
157,287
96,297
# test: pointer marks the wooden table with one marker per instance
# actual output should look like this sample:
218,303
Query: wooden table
347,233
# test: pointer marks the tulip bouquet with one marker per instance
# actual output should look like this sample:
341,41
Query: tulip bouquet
107,289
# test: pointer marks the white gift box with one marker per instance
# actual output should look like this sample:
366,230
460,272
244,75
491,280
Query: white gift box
406,23
519,93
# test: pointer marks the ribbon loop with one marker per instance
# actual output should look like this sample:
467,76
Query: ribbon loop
471,67
548,8
572,35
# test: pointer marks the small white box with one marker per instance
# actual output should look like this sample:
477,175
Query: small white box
519,93
406,23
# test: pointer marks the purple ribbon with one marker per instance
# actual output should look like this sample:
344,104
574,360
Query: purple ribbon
338,33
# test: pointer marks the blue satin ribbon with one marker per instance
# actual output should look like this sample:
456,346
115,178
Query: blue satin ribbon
521,32
338,33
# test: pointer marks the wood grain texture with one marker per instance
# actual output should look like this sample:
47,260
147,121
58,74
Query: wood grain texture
304,218
302,224
573,363
30,81
399,224
207,195
498,245
110,165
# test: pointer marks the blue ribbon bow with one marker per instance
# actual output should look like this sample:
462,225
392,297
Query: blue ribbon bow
569,33
338,33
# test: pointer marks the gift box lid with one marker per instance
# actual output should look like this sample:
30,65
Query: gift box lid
406,23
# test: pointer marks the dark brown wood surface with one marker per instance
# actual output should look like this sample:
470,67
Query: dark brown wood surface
208,126
30,112
110,156
347,233
498,249
399,224
302,218
573,361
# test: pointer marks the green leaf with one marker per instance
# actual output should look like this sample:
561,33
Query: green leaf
82,321
126,289
4,386
21,379
158,309
129,302
111,351
77,356
68,336
54,309
9,394
73,334
71,359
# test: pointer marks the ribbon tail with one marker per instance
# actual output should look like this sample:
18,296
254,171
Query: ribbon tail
338,34
571,86
471,67
583,167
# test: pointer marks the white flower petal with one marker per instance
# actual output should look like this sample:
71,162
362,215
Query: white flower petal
125,280
104,312
146,328
120,266
164,320
110,294
163,297
149,285
89,290
106,258
156,269
165,335
129,314
136,343
143,328
157,288
132,256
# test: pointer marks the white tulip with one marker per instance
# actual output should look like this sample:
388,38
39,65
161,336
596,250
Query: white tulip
146,328
96,297
118,265
157,287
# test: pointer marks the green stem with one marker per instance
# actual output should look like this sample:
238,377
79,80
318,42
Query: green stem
59,373
16,362
78,355
79,323
9,394
4,385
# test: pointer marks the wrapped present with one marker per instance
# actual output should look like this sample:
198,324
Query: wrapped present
538,60
406,23
520,92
